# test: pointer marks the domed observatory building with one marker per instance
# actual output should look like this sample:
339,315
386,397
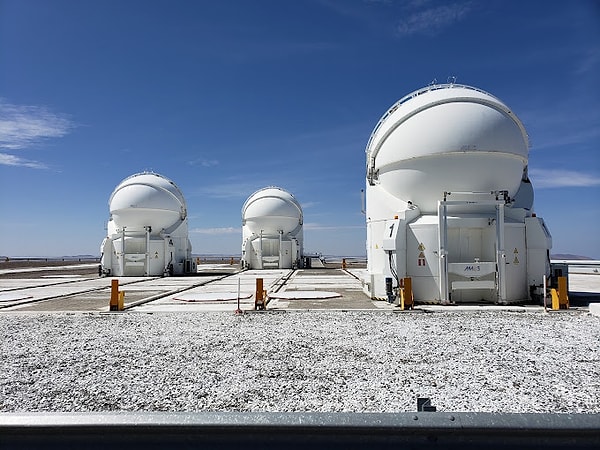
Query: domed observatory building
147,229
449,202
272,233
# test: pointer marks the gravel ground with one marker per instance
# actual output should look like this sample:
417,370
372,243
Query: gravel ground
301,361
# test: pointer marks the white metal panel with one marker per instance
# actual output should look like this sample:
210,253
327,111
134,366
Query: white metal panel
475,284
472,270
422,261
390,234
285,258
157,258
516,262
539,242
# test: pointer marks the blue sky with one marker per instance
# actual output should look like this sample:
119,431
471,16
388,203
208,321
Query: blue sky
226,97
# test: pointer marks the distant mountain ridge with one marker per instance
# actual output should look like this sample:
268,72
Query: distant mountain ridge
569,256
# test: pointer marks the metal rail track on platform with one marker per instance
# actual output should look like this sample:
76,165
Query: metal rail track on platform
176,291
27,301
80,289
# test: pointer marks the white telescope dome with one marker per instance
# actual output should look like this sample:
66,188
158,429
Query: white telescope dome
447,138
271,210
147,200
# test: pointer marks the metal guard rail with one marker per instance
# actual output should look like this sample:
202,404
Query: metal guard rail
241,430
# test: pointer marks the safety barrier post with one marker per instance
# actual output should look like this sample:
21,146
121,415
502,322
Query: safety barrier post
560,296
406,294
563,295
117,298
344,263
260,301
555,299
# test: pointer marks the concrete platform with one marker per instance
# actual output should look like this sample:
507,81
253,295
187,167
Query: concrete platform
347,285
215,288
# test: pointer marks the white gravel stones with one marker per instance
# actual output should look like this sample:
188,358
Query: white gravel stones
301,361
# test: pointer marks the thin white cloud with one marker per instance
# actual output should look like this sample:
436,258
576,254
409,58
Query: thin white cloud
11,160
554,138
432,20
22,126
546,179
224,230
571,121
204,162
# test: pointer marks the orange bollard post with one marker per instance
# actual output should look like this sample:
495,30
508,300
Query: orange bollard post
114,295
406,294
260,301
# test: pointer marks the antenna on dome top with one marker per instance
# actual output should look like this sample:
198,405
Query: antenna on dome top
451,80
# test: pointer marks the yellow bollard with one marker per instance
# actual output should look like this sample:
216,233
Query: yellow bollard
560,296
406,294
231,261
344,263
555,299
117,298
563,295
121,303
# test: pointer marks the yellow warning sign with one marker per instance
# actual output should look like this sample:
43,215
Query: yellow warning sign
515,251
516,260
156,255
421,255
421,247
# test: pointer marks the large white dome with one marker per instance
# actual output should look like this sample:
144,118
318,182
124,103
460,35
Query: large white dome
447,138
147,200
270,210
